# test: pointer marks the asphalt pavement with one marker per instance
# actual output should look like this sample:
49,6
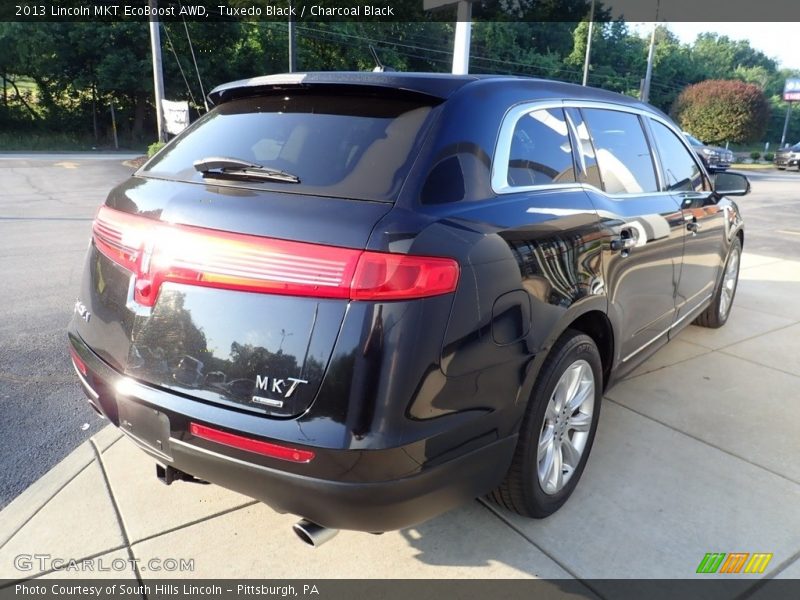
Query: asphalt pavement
47,202
772,213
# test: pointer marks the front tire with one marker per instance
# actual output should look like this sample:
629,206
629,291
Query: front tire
716,315
558,430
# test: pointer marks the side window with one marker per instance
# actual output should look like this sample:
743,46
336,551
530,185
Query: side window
680,168
588,171
623,155
540,150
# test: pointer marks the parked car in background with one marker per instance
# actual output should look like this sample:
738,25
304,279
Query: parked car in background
788,157
713,157
417,287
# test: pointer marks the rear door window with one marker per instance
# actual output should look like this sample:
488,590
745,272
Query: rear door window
541,152
623,154
338,145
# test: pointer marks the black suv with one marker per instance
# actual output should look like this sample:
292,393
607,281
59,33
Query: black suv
365,298
713,157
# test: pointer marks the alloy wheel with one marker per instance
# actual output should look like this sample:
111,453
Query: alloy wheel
729,284
565,428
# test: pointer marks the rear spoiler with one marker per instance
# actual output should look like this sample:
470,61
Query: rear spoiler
436,87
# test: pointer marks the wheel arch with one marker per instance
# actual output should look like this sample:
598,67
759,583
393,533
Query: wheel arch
589,317
597,326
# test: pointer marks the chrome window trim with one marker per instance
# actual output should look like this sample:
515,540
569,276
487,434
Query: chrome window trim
502,150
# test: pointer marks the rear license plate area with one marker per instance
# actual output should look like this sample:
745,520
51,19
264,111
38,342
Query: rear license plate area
147,426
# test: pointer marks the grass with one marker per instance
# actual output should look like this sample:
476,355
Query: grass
54,142
752,166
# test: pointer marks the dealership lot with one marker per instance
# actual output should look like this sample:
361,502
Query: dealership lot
695,453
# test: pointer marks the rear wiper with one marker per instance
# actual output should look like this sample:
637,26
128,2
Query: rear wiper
234,167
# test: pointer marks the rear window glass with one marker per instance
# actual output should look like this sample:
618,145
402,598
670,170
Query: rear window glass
540,150
341,146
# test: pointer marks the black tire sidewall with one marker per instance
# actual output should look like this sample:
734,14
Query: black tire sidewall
576,347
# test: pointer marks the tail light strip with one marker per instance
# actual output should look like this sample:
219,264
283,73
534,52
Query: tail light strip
157,252
249,444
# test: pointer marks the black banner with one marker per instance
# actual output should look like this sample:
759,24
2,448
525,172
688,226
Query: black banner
397,10
720,588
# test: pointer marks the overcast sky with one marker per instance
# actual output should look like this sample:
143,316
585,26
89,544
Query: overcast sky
776,40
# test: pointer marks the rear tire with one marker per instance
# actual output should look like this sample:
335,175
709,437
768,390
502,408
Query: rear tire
716,315
558,430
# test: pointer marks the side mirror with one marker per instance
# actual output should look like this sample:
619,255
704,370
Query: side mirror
731,184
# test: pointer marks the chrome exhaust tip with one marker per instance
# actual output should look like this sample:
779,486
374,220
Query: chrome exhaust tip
312,534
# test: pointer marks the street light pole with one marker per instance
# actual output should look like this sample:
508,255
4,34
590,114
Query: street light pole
588,46
462,39
786,124
158,73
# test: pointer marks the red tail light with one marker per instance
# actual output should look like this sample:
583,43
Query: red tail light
157,252
249,444
78,362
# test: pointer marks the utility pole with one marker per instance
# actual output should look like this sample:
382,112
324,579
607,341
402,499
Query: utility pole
292,42
158,73
588,46
463,37
114,126
645,95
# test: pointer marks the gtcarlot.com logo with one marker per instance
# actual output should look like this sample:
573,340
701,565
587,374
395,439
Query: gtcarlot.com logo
734,563
47,562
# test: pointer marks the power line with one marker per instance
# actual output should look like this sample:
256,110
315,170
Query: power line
194,59
177,60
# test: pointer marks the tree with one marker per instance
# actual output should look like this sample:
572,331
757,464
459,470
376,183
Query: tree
717,111
718,55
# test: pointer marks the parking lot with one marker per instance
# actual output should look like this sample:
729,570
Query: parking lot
696,452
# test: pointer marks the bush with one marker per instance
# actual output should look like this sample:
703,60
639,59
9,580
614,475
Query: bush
720,110
154,147
755,155
769,157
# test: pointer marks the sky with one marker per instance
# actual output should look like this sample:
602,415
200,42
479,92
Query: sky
776,40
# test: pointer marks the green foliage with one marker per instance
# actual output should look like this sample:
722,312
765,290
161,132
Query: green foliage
52,141
755,155
63,76
154,147
717,111
769,157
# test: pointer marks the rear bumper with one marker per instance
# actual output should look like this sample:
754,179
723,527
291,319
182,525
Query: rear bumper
323,492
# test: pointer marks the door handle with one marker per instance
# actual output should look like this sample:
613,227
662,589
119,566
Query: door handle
693,226
627,239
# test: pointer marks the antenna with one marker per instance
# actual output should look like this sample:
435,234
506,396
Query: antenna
379,66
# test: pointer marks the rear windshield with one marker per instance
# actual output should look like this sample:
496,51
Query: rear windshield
338,145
